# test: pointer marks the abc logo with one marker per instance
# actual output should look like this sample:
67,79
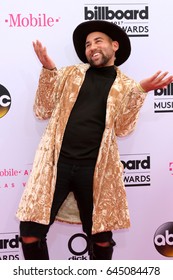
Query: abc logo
163,239
5,101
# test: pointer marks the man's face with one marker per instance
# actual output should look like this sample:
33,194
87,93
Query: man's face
100,49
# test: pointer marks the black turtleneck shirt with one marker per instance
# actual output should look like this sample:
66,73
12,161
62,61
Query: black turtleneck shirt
86,123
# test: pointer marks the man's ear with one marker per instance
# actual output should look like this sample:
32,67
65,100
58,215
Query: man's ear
115,45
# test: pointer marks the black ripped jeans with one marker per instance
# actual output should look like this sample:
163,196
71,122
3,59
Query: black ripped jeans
77,178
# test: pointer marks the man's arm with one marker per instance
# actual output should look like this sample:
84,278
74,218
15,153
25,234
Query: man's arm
133,101
46,93
42,55
156,81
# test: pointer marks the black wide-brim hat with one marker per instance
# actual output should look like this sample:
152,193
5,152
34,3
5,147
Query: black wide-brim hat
115,32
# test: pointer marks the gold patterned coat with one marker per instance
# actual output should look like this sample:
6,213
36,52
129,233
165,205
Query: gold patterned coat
56,94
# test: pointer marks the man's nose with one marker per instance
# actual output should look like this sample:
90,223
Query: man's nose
93,46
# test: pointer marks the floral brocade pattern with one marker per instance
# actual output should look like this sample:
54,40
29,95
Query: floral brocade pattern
55,98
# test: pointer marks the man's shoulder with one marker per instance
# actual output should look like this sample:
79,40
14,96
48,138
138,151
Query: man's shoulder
77,65
83,67
123,76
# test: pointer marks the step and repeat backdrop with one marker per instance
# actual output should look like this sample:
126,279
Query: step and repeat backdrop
147,154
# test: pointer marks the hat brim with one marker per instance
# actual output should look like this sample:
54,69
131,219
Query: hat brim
115,32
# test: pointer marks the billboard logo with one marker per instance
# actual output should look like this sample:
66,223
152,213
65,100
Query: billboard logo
163,99
5,101
9,246
163,239
136,170
132,18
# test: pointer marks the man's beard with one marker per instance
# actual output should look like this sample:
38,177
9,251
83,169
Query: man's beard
101,62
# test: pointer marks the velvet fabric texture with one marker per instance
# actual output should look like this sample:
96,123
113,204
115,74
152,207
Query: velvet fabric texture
55,98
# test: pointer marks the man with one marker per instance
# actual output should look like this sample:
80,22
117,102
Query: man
77,172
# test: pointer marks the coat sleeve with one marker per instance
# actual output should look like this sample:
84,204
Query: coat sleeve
49,91
132,99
